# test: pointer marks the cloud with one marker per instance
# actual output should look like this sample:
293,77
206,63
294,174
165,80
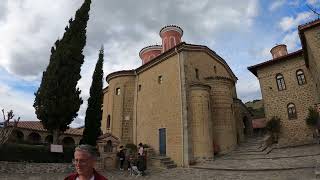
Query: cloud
29,28
292,40
287,23
313,2
28,32
276,4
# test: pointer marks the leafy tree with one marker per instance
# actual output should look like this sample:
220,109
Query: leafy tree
313,117
94,113
58,98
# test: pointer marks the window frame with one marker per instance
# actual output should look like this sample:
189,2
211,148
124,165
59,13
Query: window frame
281,84
118,91
292,111
301,78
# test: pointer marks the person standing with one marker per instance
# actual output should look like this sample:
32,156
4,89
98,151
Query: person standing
121,155
141,150
85,157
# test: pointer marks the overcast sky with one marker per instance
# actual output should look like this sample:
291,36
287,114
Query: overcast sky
242,32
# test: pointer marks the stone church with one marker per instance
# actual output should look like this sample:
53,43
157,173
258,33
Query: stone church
290,84
181,101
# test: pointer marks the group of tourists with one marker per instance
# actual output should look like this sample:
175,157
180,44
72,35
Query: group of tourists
136,163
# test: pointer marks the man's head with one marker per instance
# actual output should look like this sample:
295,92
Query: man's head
84,159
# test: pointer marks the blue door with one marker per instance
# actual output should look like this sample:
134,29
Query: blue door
162,141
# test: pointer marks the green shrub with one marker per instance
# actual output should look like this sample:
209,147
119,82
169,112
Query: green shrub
132,148
313,117
273,125
145,146
34,153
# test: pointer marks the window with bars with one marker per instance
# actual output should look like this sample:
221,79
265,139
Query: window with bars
292,112
280,82
300,77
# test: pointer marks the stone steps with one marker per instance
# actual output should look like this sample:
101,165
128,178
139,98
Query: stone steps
165,162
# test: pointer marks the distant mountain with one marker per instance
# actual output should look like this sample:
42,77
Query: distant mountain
256,108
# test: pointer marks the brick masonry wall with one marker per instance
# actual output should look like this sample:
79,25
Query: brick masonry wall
35,168
293,131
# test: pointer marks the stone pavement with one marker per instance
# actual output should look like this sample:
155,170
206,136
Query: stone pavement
184,174
251,161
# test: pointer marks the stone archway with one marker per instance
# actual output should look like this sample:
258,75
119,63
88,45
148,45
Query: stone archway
16,136
68,141
34,138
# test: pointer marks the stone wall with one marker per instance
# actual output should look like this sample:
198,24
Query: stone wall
293,131
35,168
201,67
313,48
158,105
120,108
201,122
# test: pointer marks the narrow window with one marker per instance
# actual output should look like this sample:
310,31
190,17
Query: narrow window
280,82
118,91
197,73
159,79
215,69
108,122
292,113
300,77
139,87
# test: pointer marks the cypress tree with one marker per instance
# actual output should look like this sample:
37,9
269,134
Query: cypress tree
94,113
58,100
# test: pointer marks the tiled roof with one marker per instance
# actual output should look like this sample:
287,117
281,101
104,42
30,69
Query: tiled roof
309,24
254,68
37,125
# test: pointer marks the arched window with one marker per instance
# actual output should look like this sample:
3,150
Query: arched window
300,77
118,91
108,122
292,113
280,82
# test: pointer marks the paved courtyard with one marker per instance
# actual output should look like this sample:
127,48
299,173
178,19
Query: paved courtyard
250,161
186,174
